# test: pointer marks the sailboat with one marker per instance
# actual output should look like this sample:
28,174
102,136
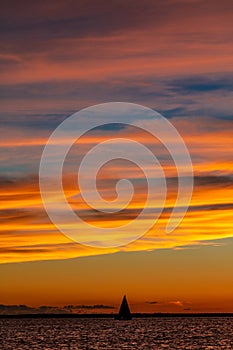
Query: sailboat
124,312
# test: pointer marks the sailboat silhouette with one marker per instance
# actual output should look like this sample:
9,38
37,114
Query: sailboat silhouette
124,312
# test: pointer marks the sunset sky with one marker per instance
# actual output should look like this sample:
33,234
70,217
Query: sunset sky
173,56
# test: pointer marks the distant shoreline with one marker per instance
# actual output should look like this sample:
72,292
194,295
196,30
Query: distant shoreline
112,316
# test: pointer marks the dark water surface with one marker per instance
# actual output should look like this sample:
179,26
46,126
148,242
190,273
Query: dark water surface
107,334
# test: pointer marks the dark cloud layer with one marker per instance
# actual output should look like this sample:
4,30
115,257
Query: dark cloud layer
152,302
45,309
202,84
35,26
183,96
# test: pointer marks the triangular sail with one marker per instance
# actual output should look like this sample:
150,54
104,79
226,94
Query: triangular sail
124,312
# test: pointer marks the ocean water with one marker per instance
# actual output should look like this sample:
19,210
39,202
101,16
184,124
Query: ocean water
107,334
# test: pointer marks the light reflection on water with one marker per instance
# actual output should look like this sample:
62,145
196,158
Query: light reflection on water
107,334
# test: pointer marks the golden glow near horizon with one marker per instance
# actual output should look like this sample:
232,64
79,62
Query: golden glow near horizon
28,234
